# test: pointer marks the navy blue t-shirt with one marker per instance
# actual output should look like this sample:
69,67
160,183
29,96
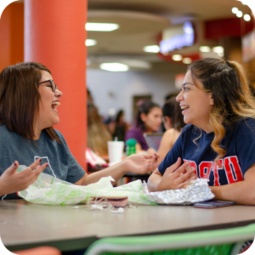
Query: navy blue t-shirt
239,143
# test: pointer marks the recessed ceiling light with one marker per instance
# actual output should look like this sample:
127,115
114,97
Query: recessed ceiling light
177,57
151,48
234,10
114,67
239,14
247,17
204,48
187,61
103,27
218,49
90,42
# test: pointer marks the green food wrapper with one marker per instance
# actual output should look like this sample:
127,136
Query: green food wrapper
50,190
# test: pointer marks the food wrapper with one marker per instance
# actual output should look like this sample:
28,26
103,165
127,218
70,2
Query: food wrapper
51,190
197,191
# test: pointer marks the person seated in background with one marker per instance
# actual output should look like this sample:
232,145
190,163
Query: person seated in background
12,181
173,122
28,110
148,120
97,133
219,141
120,126
90,99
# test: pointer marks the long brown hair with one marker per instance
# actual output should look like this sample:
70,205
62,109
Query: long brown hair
227,82
97,134
172,109
19,98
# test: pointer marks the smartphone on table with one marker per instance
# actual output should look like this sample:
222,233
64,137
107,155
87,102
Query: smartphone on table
213,204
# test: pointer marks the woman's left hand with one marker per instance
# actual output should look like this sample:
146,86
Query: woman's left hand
140,163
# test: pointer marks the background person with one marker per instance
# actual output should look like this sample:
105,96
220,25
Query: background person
219,142
120,127
148,120
97,133
28,109
173,122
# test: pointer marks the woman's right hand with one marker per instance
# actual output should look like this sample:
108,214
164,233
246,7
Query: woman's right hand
12,181
177,176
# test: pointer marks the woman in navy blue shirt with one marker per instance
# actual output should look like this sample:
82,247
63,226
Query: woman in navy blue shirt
219,141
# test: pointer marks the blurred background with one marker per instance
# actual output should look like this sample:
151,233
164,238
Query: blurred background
194,29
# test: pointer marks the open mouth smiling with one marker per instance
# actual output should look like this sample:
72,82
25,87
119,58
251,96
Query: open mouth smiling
55,105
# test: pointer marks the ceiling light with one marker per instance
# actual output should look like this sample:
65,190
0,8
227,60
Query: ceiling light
234,10
114,67
218,49
177,57
151,48
187,61
247,17
204,49
239,14
90,42
103,27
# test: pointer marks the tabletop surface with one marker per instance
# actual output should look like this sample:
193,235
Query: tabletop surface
24,225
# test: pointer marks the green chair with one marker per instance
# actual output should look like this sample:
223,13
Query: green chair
213,242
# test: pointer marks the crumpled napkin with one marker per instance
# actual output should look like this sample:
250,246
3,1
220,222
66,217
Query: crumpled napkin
50,190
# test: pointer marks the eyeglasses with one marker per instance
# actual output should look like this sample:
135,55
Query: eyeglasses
53,86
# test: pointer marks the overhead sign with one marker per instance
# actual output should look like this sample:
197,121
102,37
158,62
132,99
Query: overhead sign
172,40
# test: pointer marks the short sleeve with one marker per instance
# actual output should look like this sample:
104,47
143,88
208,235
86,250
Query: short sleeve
172,156
245,144
75,171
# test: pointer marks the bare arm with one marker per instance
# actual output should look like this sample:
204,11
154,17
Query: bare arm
12,181
167,142
242,192
137,163
175,177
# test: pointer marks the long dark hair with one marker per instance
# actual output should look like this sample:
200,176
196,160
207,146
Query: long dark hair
144,108
172,110
227,82
19,98
118,116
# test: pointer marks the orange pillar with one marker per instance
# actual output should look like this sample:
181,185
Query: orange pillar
12,35
55,36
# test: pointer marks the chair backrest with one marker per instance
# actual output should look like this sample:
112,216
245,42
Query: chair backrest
194,243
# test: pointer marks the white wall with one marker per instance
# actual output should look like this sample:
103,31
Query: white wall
116,90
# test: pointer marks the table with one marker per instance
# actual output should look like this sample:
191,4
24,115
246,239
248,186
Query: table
24,225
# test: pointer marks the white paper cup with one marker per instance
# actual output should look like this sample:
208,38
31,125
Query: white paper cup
115,151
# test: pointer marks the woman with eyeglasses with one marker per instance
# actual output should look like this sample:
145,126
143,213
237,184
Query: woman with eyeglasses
219,141
28,109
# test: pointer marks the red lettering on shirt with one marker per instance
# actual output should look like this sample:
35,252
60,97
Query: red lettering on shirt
233,169
216,168
205,168
192,164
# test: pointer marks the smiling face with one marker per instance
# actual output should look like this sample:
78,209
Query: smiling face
48,113
195,103
153,119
